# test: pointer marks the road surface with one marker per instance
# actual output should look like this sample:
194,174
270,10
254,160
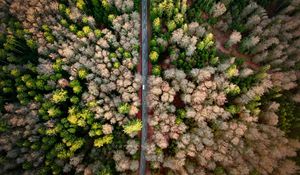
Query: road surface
142,170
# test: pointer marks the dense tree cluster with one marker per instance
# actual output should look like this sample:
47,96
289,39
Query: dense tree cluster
216,101
77,86
223,90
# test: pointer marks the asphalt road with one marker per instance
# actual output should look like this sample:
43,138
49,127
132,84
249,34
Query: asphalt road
142,170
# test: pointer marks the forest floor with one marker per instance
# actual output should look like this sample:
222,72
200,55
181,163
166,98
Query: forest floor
221,39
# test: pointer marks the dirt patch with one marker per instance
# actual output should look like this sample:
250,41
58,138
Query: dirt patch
178,103
222,38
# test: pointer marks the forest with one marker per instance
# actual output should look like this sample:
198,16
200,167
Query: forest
223,95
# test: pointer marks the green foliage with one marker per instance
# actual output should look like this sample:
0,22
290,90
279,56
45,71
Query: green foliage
54,112
288,112
82,73
254,106
156,70
98,33
206,43
233,109
127,54
181,114
124,108
81,118
60,96
287,116
86,30
3,127
117,64
203,56
102,141
232,71
133,126
100,10
171,25
156,25
80,4
246,83
18,56
75,85
105,171
96,130
219,171
153,56
73,28
74,100
80,34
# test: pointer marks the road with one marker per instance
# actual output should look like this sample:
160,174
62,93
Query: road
145,46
